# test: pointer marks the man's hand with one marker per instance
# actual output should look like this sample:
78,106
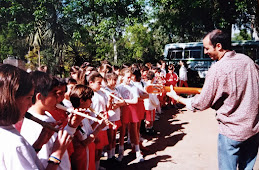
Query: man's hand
172,93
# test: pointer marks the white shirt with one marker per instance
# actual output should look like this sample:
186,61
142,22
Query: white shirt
151,102
99,103
16,152
67,103
31,130
183,73
87,128
128,91
140,85
114,115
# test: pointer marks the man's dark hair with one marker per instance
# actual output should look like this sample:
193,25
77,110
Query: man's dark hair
218,36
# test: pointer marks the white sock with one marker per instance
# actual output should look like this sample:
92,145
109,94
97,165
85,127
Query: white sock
138,153
137,148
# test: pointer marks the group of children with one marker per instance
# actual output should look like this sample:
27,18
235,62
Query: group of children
116,97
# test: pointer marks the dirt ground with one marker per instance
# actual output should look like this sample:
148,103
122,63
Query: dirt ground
186,140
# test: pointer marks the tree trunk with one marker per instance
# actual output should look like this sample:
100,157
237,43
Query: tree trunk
39,57
115,49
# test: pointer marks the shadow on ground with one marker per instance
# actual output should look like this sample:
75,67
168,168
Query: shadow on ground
170,132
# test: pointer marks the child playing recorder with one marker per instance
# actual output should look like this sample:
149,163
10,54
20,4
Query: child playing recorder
130,117
83,157
16,89
114,113
100,104
44,100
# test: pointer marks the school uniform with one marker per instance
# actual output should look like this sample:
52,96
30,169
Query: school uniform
16,152
83,158
150,106
140,105
114,115
99,103
129,111
31,130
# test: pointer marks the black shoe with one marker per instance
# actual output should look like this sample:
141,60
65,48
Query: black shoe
151,132
112,161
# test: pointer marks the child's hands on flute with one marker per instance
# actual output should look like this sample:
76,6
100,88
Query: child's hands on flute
45,135
74,120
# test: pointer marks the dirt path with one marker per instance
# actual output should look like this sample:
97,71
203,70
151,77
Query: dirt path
186,141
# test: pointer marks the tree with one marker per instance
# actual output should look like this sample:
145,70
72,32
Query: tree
69,32
189,20
139,42
106,21
15,29
242,35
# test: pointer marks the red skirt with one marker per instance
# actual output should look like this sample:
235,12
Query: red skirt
141,110
117,123
129,114
103,140
150,115
79,156
91,160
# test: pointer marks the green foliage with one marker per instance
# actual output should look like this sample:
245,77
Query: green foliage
189,20
139,42
70,32
242,35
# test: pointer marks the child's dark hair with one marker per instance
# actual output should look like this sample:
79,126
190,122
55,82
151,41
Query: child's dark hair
150,75
14,83
184,63
71,81
43,83
136,72
78,92
144,68
171,67
115,68
74,69
106,68
93,76
81,77
160,62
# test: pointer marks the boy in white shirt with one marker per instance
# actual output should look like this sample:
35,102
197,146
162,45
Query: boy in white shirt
45,99
150,106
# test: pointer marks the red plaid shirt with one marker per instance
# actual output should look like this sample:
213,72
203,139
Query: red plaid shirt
232,89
